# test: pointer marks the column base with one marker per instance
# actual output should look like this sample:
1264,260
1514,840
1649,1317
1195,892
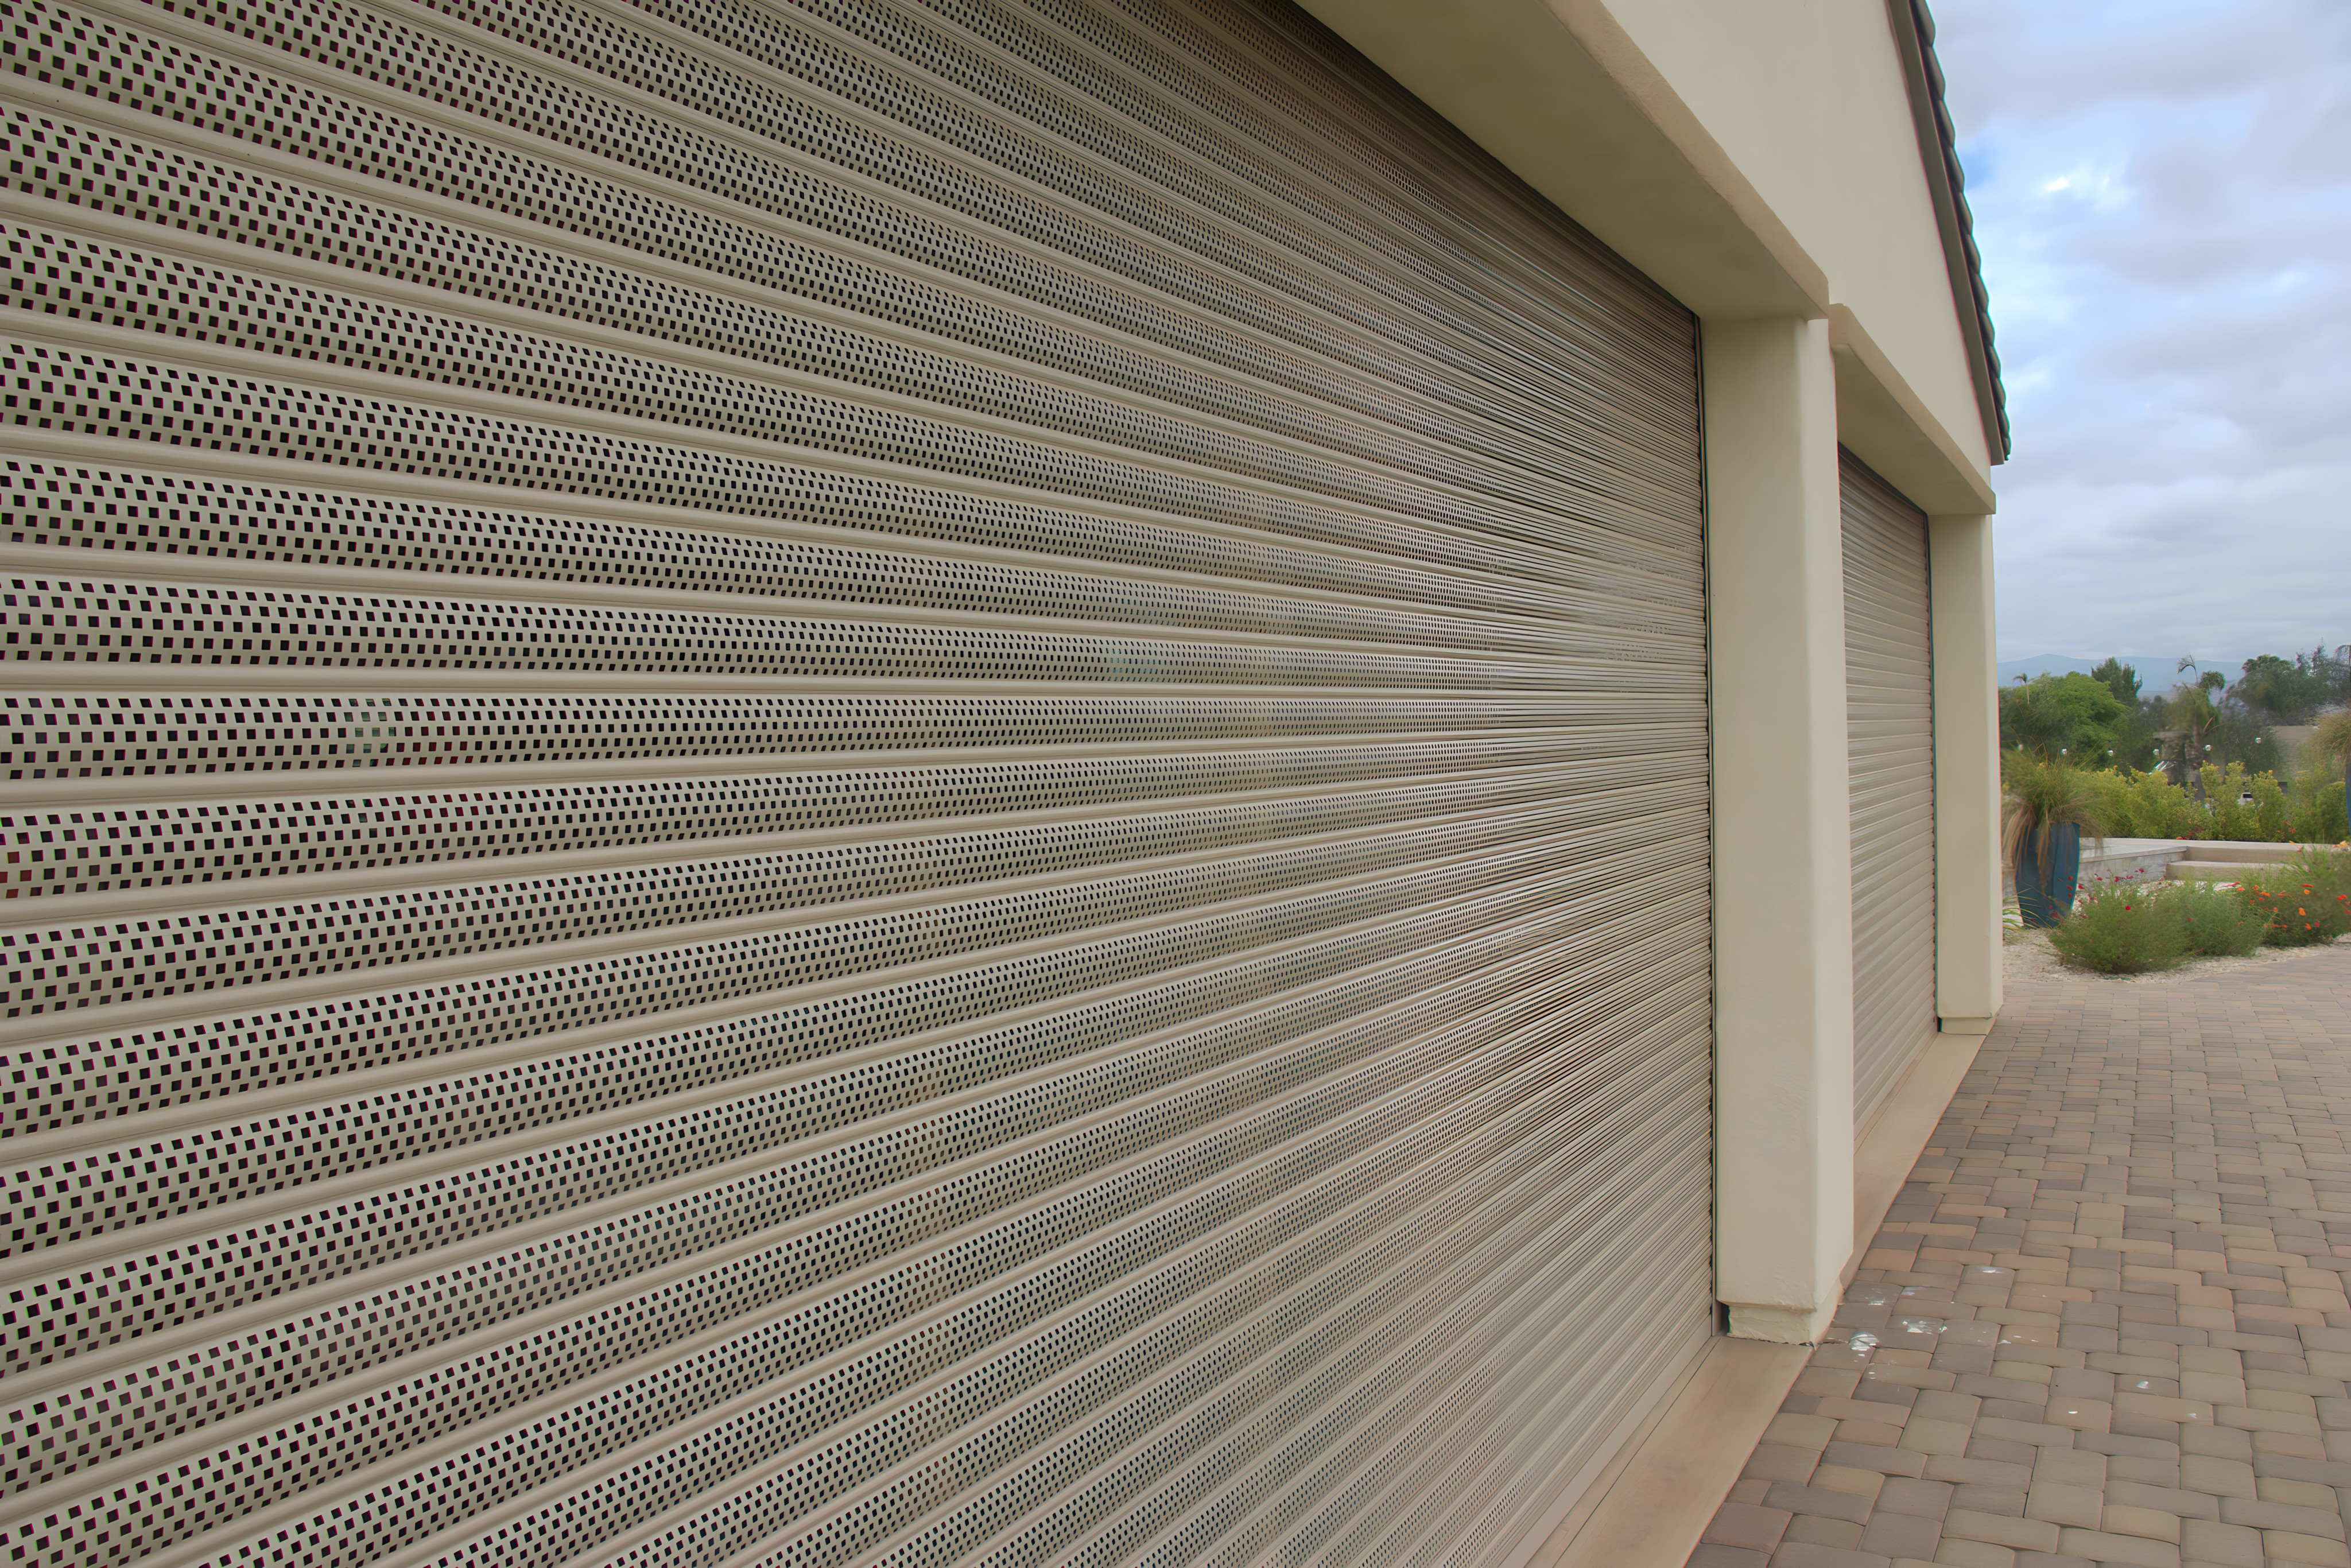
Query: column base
1966,1026
1781,1325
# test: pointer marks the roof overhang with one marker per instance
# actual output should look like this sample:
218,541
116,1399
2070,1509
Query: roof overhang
1559,92
1889,426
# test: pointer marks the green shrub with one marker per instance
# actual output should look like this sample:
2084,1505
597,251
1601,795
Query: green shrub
2137,805
2228,818
2318,807
2268,818
2147,805
2215,921
2306,901
2112,787
2169,811
2122,928
2273,813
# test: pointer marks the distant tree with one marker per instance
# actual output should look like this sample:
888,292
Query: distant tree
2070,715
2243,735
2191,716
2296,691
2267,684
2132,741
2206,723
2120,679
2190,708
2030,722
2288,692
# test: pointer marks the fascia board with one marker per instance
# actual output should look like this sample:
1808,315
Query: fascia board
1938,153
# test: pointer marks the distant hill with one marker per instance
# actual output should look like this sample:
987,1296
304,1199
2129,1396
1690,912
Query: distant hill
2156,671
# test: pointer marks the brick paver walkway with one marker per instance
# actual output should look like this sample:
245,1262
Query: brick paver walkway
2104,1322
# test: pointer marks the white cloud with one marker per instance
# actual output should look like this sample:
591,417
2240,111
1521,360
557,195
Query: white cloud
2164,204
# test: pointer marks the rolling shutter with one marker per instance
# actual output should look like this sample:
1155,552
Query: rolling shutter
829,784
1890,748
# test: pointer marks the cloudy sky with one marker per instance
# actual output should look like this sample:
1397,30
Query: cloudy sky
2162,189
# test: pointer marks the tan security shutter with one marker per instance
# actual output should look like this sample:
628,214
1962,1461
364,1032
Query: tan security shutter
1890,748
829,784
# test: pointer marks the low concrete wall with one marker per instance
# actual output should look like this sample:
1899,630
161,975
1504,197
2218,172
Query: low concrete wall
2120,860
2221,859
2158,860
2130,860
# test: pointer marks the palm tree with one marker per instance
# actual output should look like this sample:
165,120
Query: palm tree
2192,713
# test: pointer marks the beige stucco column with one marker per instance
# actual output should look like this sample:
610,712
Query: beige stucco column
1967,775
1782,854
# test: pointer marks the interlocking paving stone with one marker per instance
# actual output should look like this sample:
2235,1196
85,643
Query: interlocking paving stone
2155,1524
1981,1472
2284,1546
1926,1499
1818,1530
2104,1322
2228,1545
2063,1504
2281,1516
2173,1500
1979,1499
1873,1456
2000,1528
1820,1500
2136,1550
1711,1556
1804,1555
1901,1535
1744,1524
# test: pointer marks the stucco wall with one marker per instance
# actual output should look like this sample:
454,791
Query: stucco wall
1807,97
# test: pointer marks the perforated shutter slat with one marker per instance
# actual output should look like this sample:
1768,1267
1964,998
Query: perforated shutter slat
828,784
1889,684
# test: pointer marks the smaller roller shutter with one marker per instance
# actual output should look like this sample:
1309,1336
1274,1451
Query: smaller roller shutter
1890,747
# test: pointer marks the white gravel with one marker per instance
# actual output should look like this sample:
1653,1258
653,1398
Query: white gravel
2029,958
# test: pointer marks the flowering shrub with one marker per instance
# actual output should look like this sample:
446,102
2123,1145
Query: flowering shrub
2304,901
2215,921
2123,928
